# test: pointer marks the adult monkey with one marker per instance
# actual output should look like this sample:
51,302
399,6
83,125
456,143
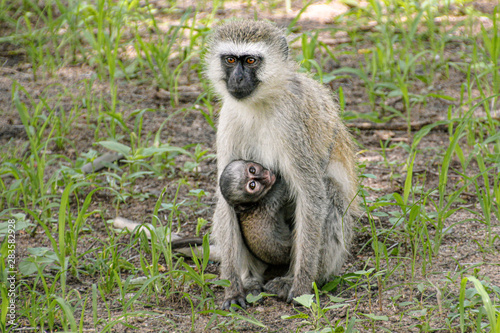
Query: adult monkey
289,123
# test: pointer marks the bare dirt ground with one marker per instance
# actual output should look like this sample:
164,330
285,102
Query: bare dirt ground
461,247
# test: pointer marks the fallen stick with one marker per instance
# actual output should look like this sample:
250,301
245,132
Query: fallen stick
415,126
185,246
101,162
12,131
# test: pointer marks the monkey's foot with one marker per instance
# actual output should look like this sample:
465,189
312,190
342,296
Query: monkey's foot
253,286
280,286
296,292
255,291
238,300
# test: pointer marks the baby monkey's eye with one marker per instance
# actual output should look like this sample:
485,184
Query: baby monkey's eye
251,61
252,170
252,185
230,60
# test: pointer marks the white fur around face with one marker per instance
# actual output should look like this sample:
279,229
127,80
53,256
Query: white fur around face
240,49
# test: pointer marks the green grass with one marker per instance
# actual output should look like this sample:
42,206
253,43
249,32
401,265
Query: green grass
400,67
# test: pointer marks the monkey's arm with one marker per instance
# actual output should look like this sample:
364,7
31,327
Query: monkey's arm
278,196
228,238
238,265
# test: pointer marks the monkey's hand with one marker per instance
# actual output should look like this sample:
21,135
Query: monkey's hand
234,294
297,291
280,286
253,286
255,289
238,300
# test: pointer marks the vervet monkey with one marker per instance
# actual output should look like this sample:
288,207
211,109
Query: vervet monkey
289,123
260,200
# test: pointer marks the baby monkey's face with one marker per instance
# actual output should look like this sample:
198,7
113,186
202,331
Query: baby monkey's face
258,180
245,182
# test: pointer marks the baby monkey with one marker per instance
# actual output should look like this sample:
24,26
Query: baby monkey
262,203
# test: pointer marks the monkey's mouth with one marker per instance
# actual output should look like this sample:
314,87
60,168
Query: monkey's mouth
242,90
240,93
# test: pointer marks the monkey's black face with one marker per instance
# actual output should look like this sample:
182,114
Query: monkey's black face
241,74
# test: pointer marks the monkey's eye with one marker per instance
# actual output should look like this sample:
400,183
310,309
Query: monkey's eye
252,170
230,60
252,185
251,61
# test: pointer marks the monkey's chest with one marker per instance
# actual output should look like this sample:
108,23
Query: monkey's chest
259,144
251,132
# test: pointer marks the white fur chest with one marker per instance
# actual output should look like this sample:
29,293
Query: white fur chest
249,133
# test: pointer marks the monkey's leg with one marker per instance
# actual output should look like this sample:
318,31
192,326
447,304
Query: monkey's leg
251,277
336,237
254,276
280,286
310,217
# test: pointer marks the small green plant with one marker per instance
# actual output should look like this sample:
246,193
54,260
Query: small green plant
309,45
202,279
492,50
200,224
197,157
471,298
316,317
231,319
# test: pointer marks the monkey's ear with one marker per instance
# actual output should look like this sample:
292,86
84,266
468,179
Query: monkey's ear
284,47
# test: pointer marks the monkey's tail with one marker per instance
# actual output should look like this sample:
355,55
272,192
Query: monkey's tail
186,242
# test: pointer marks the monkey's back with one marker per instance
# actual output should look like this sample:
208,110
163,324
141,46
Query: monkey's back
268,238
